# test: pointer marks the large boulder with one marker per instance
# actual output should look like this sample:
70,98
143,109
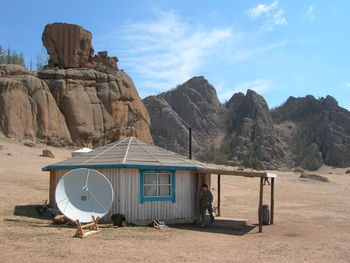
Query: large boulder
69,46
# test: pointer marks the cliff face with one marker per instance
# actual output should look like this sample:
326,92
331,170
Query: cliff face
302,132
321,131
193,104
241,129
251,134
77,99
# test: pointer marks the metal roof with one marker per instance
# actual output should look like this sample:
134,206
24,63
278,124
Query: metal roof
128,153
134,153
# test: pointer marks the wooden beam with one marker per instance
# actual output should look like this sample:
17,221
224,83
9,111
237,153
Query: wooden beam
272,204
219,195
199,184
261,204
232,172
52,189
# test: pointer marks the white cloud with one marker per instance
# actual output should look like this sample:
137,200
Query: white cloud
259,85
165,51
272,15
261,9
310,12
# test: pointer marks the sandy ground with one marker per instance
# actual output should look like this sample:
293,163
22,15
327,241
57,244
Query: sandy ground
312,221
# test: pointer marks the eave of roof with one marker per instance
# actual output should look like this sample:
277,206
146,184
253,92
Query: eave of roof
120,166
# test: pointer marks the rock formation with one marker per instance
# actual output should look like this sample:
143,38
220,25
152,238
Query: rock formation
302,132
241,129
77,99
28,109
193,104
69,46
321,131
251,136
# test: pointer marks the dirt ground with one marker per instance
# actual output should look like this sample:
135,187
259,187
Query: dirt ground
312,221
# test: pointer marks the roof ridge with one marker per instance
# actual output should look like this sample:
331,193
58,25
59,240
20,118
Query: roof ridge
112,146
127,150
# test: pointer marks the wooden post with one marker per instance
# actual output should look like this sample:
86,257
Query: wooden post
272,204
52,189
219,190
261,203
199,184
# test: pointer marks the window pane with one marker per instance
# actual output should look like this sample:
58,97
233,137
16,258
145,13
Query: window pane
150,190
164,178
150,179
164,190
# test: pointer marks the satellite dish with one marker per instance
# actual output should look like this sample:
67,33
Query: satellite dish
83,193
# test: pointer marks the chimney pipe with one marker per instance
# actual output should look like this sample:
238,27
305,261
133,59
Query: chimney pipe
190,143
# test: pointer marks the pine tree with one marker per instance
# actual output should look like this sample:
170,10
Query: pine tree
2,55
21,60
8,57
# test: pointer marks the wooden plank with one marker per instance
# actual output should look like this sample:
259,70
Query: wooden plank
199,184
261,204
219,195
272,204
232,172
52,189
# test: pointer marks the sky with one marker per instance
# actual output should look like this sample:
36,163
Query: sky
277,48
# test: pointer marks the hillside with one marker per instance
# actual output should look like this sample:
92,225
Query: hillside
321,131
302,132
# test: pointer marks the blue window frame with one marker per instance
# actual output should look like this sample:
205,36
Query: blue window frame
157,185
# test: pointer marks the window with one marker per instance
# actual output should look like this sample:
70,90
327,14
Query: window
157,186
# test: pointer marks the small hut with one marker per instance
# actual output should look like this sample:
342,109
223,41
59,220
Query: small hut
150,182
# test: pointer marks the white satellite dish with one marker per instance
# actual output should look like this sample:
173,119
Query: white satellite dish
83,193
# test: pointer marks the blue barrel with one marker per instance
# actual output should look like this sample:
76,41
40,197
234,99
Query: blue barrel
266,215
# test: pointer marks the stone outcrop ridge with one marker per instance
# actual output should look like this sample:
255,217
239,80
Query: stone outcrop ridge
77,99
241,129
65,106
28,109
69,46
321,131
193,104
302,132
251,136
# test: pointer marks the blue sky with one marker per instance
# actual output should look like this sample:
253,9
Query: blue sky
278,48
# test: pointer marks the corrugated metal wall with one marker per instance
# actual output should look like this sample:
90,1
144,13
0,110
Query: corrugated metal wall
126,184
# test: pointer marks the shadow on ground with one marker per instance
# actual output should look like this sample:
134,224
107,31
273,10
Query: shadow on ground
220,226
28,211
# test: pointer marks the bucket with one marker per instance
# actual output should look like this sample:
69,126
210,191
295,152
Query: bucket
266,215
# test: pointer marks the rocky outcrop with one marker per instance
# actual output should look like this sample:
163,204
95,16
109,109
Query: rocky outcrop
168,128
321,131
251,136
65,106
193,104
69,46
99,108
28,110
77,99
